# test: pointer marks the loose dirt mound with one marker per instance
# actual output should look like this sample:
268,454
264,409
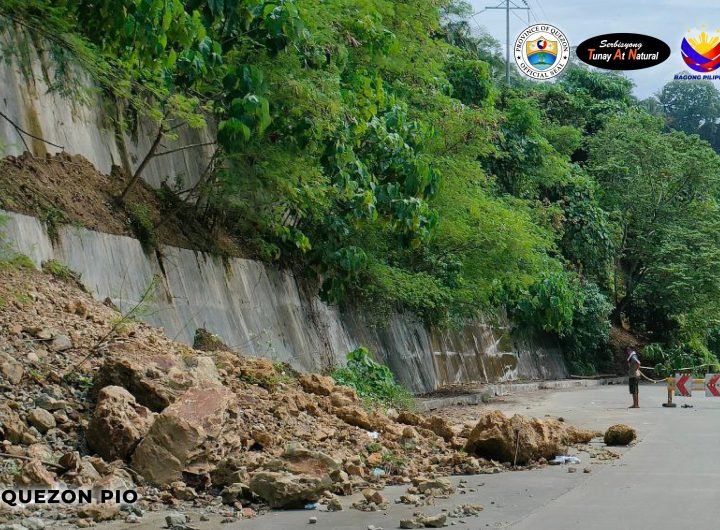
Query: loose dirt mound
620,434
501,438
67,189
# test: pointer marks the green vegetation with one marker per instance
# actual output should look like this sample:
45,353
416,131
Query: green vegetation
142,225
9,259
52,218
374,382
206,341
13,261
371,145
60,271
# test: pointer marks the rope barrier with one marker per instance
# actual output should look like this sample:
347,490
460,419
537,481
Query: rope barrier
654,381
664,380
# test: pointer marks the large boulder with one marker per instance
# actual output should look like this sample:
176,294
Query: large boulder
620,434
118,424
286,490
177,438
156,380
304,462
300,460
34,473
500,438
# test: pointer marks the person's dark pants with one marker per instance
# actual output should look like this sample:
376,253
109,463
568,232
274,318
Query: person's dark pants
633,383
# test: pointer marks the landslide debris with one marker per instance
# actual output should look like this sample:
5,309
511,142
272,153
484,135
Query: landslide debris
68,189
620,434
521,439
123,407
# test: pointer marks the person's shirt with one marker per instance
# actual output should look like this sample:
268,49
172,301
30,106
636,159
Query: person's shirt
633,364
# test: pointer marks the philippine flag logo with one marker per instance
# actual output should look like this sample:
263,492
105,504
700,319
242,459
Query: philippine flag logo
702,52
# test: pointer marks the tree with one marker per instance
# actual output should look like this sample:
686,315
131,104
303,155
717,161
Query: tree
692,107
689,105
657,186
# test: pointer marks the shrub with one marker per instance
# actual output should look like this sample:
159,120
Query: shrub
142,226
679,357
53,219
206,341
374,382
574,311
586,346
59,270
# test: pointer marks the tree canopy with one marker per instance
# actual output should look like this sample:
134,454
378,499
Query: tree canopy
370,146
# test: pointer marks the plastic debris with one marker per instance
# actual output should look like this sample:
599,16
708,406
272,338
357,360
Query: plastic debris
565,459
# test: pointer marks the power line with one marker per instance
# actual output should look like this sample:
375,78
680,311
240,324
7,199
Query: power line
530,12
514,5
542,9
476,22
508,9
518,17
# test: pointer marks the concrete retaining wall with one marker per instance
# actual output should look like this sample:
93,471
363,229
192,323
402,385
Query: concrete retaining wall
254,308
261,311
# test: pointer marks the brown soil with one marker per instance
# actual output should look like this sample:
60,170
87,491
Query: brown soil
67,189
272,410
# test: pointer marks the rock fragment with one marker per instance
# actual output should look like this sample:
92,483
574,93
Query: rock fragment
620,434
285,490
42,420
118,424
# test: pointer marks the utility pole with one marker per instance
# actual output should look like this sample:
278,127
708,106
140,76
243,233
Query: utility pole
508,6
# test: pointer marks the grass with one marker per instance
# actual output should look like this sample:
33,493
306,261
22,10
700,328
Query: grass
16,262
23,298
60,271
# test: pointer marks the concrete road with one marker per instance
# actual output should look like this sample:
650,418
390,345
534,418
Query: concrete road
671,478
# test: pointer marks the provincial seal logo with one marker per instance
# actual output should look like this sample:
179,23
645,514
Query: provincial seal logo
541,51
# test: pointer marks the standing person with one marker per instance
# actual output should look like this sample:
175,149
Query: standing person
634,372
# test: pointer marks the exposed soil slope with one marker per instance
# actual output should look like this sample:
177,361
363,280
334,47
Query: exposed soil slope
67,189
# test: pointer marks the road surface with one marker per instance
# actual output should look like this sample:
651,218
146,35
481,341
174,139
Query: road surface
669,479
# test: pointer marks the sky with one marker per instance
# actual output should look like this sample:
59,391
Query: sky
668,20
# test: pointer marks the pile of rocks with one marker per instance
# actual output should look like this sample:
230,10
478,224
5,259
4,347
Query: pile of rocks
89,402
